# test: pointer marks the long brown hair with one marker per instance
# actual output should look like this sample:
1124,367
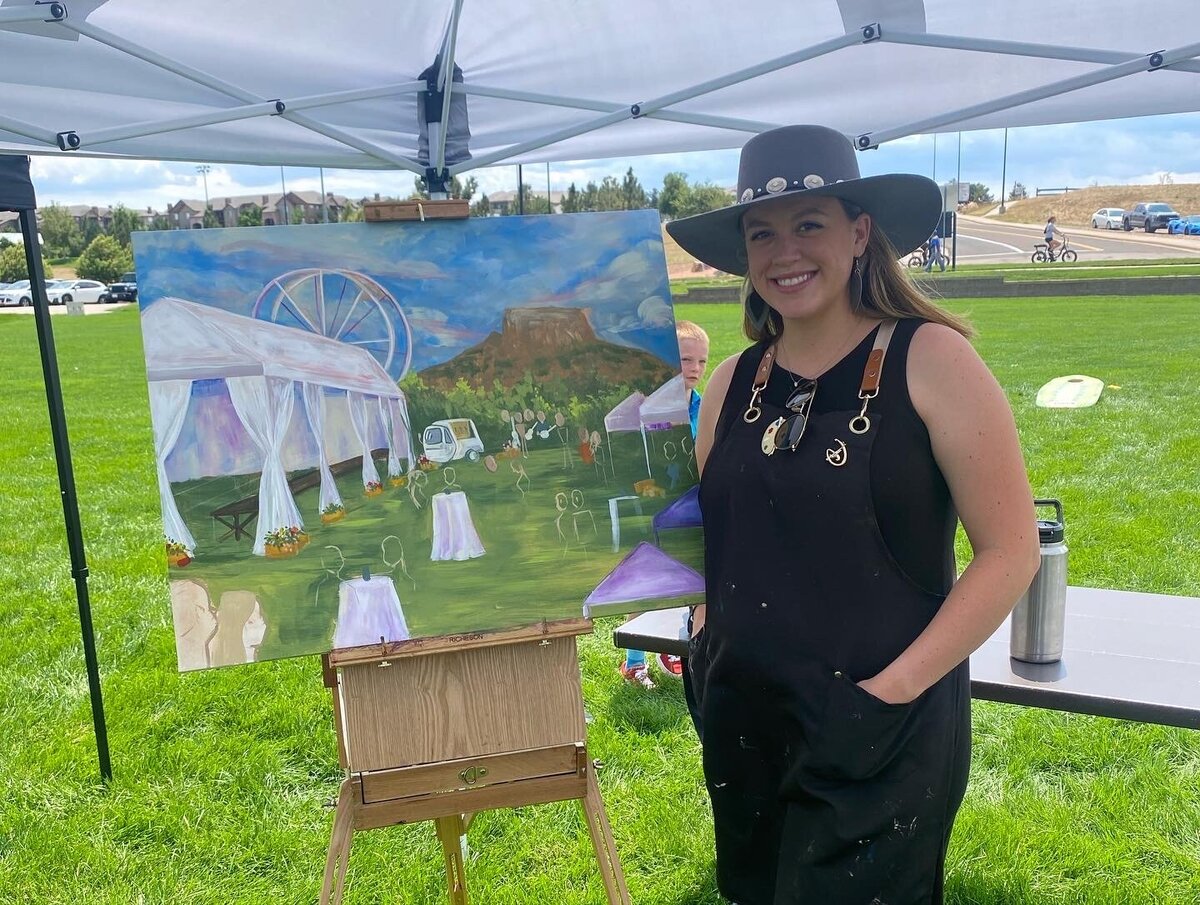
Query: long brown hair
887,291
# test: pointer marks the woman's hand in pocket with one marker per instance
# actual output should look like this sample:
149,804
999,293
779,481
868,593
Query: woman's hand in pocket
879,686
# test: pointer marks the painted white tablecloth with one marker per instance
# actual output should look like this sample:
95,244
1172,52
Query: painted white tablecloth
367,611
454,535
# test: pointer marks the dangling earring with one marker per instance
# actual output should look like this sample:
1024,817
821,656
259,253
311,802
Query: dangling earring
856,286
758,311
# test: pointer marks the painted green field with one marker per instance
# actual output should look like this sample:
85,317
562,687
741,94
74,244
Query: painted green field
222,777
543,521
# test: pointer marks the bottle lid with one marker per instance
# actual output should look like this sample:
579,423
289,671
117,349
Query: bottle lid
1049,532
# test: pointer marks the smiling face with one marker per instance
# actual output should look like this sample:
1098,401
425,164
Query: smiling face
800,252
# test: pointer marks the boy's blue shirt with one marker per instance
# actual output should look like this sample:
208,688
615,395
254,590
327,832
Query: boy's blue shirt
694,411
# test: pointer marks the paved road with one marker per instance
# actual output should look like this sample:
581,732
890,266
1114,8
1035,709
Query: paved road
982,241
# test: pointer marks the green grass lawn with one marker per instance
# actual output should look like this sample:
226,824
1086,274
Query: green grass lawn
222,777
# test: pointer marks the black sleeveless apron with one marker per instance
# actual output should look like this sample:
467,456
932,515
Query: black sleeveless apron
821,793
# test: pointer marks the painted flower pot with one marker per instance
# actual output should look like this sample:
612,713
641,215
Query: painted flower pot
398,482
330,517
372,491
280,551
178,559
302,540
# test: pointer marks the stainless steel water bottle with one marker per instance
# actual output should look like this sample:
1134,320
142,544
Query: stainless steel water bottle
1038,621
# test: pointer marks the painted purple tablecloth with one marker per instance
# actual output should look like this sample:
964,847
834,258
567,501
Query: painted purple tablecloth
454,535
368,610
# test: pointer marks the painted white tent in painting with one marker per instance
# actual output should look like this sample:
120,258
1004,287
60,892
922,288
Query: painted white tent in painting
264,366
258,83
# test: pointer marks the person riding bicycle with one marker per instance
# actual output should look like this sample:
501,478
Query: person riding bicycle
1049,232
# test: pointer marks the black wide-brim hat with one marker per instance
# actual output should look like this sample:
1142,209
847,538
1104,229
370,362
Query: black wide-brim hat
815,162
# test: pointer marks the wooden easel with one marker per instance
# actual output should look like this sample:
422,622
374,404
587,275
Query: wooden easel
442,728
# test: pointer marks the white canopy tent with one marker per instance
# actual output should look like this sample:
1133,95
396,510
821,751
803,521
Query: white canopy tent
261,364
270,83
665,408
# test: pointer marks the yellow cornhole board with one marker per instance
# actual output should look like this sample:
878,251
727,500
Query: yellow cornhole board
1074,391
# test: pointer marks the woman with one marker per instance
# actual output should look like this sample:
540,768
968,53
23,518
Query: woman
831,664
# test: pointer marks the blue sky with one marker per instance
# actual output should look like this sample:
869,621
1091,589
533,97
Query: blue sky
453,282
1131,151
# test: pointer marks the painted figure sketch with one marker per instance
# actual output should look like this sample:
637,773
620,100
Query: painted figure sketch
369,432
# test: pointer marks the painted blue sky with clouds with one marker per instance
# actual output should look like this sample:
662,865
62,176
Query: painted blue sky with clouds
452,279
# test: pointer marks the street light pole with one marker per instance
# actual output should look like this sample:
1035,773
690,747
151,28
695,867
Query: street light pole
203,170
283,199
1003,170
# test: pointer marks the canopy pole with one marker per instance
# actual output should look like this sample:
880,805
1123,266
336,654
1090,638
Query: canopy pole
66,478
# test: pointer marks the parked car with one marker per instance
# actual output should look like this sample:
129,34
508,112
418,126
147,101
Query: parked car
123,290
18,293
15,293
1185,226
75,290
1108,218
1149,215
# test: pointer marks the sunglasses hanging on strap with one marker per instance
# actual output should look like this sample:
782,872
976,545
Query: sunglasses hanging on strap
785,432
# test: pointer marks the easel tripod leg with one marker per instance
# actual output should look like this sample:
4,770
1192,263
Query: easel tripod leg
450,831
604,844
339,847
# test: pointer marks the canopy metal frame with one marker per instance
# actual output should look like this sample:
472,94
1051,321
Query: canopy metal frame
1113,65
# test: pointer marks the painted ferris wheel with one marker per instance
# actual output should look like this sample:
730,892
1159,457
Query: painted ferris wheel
344,305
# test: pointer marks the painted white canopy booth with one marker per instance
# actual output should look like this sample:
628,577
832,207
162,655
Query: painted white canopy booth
271,83
261,364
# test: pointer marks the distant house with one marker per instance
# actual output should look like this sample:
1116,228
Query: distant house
503,203
277,209
185,214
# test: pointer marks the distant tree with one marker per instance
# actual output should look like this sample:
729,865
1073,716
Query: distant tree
62,235
674,195
251,216
351,212
125,222
534,203
6,243
571,201
704,197
297,215
980,192
482,207
610,196
160,221
210,219
91,229
652,199
632,192
12,264
1018,192
105,259
1166,178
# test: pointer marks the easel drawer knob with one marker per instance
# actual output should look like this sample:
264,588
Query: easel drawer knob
472,775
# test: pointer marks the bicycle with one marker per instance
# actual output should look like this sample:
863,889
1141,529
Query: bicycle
919,257
1064,252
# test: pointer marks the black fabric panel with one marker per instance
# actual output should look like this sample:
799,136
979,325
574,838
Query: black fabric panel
16,191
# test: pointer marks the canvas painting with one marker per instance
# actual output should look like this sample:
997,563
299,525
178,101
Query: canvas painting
372,432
